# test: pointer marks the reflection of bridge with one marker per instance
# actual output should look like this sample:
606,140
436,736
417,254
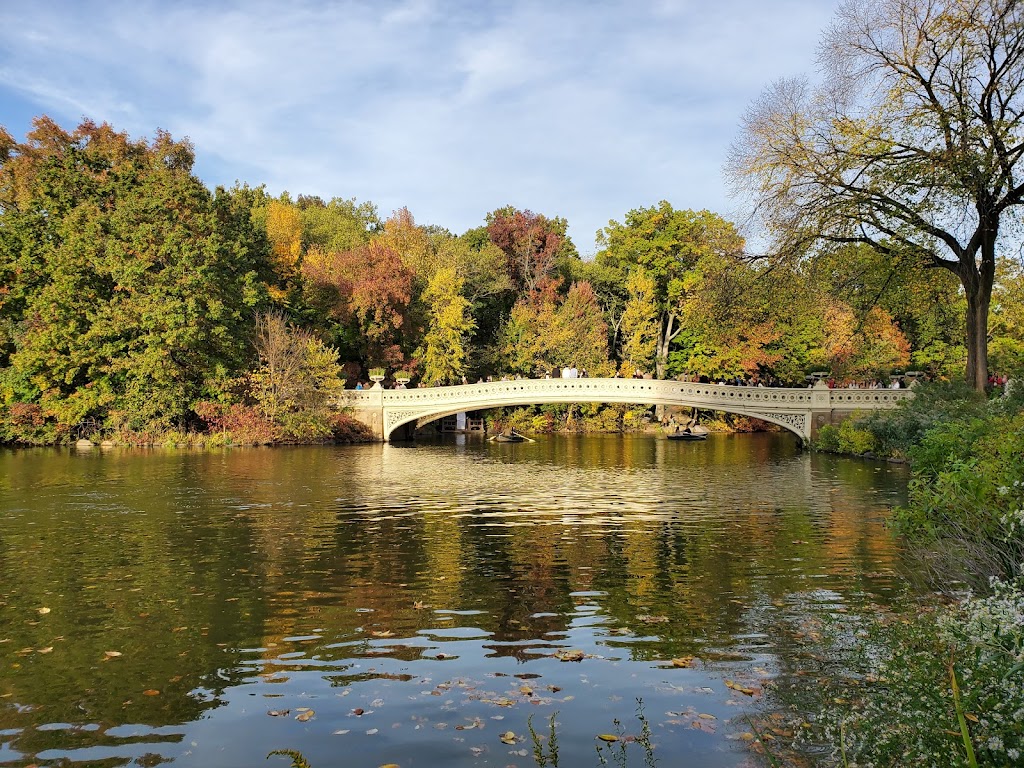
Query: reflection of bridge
799,410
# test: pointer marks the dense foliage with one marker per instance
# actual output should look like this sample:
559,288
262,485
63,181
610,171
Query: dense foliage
135,302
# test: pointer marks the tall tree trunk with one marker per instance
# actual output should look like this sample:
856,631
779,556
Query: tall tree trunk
668,332
977,279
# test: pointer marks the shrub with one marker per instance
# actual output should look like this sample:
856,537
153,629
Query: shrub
244,424
965,512
904,711
849,436
27,424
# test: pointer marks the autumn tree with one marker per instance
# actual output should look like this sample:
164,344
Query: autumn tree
532,244
369,290
910,145
337,225
444,355
668,244
640,321
547,331
295,370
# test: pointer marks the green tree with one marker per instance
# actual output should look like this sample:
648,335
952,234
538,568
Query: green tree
911,145
667,244
128,282
1008,319
444,356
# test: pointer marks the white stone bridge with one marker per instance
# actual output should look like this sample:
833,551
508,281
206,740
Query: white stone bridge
801,411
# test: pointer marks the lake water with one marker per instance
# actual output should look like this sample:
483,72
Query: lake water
423,604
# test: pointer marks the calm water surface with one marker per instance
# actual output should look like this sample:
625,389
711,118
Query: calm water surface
409,604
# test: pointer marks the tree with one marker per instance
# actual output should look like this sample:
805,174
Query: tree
1008,319
444,356
370,289
668,244
295,372
339,225
532,243
640,321
546,332
911,145
127,283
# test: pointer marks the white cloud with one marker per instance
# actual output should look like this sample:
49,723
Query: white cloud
578,109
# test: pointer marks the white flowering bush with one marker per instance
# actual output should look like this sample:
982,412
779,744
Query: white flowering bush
903,710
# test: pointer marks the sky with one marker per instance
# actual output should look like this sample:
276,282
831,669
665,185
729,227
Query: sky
584,109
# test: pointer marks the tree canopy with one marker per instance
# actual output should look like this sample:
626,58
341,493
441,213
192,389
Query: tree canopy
911,143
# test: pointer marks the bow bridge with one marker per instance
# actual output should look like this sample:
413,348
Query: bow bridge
801,411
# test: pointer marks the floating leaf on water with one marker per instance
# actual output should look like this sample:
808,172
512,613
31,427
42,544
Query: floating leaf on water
342,732
574,655
371,732
278,712
683,662
390,765
382,633
508,737
302,717
358,711
609,737
701,725
742,689
151,692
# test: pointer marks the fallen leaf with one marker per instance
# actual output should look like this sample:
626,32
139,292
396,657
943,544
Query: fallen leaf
573,655
112,654
43,611
683,661
382,633
371,732
742,689
390,765
302,717
508,737
45,650
151,692
358,711
609,737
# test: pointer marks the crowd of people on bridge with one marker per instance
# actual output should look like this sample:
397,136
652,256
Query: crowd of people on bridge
896,381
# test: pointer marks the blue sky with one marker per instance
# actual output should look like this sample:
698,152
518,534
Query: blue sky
583,109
